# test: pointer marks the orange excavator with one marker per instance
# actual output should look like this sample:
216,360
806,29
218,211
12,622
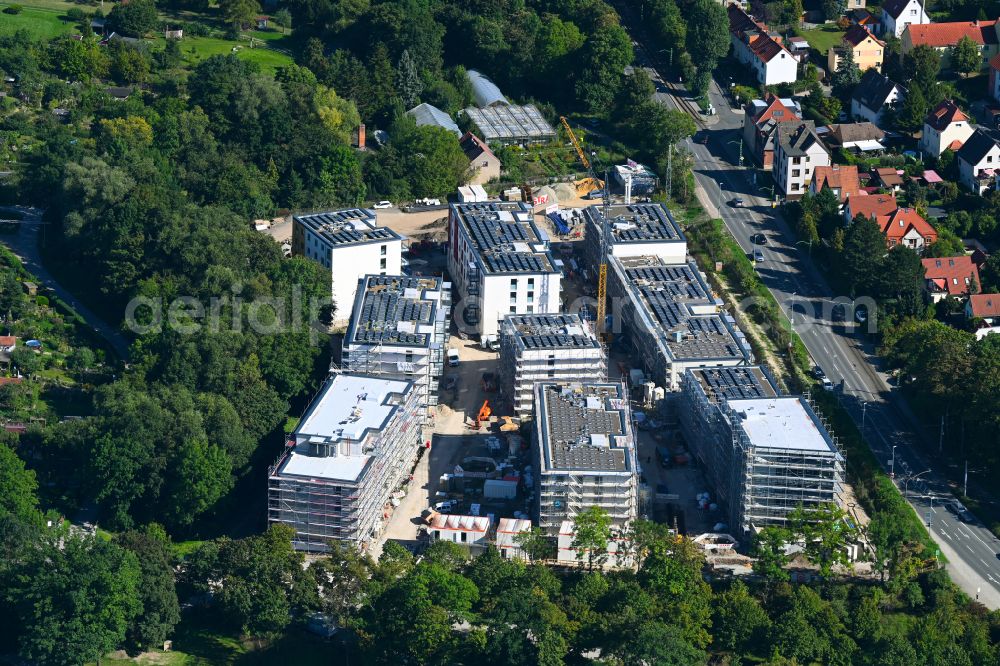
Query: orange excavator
484,414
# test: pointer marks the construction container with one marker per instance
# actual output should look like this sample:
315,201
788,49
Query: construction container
499,489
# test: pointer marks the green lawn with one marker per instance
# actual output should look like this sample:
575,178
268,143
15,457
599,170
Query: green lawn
42,23
196,49
822,39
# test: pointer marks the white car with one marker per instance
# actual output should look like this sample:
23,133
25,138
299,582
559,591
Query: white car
446,506
382,204
453,358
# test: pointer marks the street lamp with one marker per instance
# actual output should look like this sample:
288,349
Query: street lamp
740,144
892,463
912,477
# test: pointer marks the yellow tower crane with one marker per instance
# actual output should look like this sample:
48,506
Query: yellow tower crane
602,271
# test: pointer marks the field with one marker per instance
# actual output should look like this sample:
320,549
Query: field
196,49
41,22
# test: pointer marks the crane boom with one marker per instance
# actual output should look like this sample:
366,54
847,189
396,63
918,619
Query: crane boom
576,144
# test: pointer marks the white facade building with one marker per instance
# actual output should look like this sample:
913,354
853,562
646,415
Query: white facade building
356,444
350,244
546,348
897,14
399,330
471,531
979,160
500,263
945,128
584,452
634,230
798,150
755,46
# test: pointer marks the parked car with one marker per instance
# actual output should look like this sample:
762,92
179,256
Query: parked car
861,314
453,358
446,506
382,204
594,194
827,384
818,372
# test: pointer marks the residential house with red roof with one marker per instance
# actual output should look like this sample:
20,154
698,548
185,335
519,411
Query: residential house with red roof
905,226
761,119
950,276
869,50
985,307
484,163
754,45
945,128
842,179
897,14
873,206
944,36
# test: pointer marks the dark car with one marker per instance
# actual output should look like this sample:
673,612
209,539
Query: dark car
737,202
758,239
818,372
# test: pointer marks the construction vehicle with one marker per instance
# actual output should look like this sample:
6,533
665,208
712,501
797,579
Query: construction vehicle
484,414
507,424
585,186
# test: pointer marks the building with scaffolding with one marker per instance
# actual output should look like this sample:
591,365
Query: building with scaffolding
546,348
501,264
672,319
765,453
634,230
584,452
354,447
350,244
399,330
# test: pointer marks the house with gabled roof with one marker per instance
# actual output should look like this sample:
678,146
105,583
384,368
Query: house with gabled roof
979,159
761,118
905,226
763,51
945,128
874,95
942,37
842,179
798,152
897,14
950,276
483,162
868,49
985,307
873,206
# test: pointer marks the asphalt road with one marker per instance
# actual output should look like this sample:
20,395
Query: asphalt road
845,354
25,244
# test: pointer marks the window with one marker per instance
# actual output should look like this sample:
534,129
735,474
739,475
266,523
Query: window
531,309
513,284
989,158
382,250
381,263
796,173
486,163
913,12
464,537
513,309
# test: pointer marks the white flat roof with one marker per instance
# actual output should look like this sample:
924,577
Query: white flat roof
782,423
349,406
334,468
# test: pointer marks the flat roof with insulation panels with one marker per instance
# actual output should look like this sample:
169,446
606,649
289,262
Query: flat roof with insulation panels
737,383
505,236
787,423
555,331
584,428
709,337
353,226
396,310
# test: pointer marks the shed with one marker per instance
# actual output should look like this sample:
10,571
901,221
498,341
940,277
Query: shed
428,114
468,530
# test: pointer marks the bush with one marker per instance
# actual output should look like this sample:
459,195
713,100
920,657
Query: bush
76,14
13,9
42,301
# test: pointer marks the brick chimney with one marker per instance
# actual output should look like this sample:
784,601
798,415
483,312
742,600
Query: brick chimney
361,136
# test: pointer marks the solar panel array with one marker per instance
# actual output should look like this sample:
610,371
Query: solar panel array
732,383
549,332
679,282
648,222
384,307
339,227
666,310
497,239
704,337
